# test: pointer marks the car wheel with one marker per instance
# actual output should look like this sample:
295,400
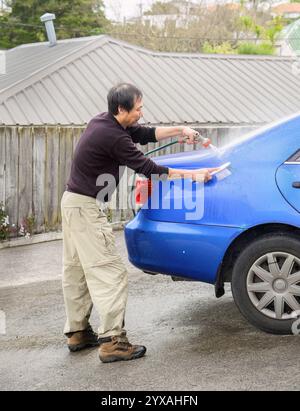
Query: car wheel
266,283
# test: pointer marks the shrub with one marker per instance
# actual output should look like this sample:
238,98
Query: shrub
251,48
27,227
224,48
4,223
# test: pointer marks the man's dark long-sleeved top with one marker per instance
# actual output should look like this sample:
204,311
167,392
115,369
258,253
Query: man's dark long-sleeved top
103,148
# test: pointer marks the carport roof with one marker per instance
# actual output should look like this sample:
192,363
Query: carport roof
67,84
291,35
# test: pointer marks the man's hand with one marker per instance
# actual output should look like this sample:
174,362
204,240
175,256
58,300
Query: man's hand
185,135
201,175
188,135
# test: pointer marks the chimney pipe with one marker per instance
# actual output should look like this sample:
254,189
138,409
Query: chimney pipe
48,20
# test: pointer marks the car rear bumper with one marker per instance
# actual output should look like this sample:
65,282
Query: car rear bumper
185,250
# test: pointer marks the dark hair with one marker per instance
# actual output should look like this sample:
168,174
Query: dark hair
123,95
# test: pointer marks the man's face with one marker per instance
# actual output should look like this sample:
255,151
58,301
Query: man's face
131,117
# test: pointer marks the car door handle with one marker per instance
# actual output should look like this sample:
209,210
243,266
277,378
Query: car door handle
296,184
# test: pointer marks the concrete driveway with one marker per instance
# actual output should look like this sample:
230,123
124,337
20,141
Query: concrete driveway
194,341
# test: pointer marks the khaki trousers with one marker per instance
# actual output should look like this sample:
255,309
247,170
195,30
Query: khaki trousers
93,273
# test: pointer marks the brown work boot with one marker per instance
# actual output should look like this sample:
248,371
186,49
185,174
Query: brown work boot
82,339
118,348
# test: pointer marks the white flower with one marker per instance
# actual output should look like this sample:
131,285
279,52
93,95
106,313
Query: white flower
22,230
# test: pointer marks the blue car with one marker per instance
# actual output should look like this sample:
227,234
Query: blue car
242,227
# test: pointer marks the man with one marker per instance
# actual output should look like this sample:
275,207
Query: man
93,273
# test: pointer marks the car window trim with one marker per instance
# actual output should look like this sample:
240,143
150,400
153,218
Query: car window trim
294,159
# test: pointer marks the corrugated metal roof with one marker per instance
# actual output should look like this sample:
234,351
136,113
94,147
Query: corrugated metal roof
24,60
70,88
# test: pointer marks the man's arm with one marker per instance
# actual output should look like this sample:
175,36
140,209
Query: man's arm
200,174
183,133
144,135
126,153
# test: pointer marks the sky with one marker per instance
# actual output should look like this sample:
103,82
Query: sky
118,9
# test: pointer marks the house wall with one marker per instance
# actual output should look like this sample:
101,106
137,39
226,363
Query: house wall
35,164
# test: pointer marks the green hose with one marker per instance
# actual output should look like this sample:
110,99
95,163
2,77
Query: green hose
161,148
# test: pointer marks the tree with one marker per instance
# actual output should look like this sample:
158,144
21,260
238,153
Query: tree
247,23
258,30
222,28
163,8
275,27
74,18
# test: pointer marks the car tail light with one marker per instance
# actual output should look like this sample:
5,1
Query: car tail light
143,189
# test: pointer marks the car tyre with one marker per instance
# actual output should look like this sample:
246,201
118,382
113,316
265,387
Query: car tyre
269,266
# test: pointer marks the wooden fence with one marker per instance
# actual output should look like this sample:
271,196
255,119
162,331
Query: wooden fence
35,164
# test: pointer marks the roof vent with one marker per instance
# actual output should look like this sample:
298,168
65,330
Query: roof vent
48,20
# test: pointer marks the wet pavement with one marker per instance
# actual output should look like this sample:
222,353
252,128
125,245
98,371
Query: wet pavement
194,341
